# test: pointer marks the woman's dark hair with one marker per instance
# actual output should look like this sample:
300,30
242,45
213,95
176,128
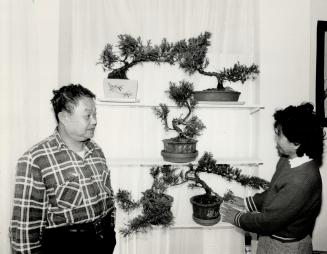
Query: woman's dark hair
300,125
66,97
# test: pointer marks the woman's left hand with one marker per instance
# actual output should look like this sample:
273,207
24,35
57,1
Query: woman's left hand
228,213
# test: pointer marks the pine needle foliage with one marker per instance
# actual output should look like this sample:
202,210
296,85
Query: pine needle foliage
191,56
155,203
132,51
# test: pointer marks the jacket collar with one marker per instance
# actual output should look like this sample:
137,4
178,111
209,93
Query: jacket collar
60,144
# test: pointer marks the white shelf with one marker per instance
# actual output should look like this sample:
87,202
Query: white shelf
118,100
138,104
148,162
219,225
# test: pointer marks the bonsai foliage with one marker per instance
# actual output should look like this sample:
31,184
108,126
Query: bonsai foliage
191,56
132,51
208,165
187,126
155,203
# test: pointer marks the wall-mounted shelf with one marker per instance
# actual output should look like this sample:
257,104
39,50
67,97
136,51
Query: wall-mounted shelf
219,225
132,162
232,105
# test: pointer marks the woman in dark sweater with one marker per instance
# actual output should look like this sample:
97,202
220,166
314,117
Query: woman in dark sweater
284,215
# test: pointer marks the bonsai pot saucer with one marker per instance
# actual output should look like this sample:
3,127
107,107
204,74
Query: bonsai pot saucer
206,222
179,157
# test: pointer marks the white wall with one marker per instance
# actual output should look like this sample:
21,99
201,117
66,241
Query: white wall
26,117
287,61
284,32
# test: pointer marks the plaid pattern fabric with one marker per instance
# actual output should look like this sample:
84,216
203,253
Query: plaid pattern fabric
56,187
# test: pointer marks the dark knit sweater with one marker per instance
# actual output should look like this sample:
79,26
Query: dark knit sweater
288,209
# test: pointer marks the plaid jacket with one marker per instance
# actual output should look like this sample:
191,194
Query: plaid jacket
56,187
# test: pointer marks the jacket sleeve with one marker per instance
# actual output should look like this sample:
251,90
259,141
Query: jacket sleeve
29,208
285,205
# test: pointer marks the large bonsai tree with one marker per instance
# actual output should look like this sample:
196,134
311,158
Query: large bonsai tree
156,203
187,126
132,51
191,56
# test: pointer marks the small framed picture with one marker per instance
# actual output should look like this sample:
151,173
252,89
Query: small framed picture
321,72
119,90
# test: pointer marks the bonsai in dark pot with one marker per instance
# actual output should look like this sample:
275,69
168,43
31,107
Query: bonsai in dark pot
181,148
206,206
191,56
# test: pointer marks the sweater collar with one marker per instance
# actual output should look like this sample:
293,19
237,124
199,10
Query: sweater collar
298,161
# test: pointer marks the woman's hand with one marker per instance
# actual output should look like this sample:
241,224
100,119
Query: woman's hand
238,202
228,213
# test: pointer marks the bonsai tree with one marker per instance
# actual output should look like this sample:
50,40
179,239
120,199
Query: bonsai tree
187,126
155,203
132,51
207,164
206,206
191,56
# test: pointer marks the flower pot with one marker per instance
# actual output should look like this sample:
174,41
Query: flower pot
206,209
216,95
179,151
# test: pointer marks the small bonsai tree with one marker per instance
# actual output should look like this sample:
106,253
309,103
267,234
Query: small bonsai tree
132,51
191,56
187,126
155,203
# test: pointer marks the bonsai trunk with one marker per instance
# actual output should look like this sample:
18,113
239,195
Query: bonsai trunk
118,73
220,81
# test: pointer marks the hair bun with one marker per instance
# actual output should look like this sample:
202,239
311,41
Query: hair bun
306,107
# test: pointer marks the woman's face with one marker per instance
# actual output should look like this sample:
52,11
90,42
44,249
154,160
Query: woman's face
284,146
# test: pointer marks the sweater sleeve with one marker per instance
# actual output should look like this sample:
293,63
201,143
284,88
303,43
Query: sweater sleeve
29,208
254,203
281,208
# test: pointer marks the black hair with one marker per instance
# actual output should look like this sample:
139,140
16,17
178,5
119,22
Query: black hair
67,96
300,125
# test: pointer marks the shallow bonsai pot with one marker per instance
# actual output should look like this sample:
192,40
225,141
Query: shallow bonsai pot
179,157
206,214
179,151
216,95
